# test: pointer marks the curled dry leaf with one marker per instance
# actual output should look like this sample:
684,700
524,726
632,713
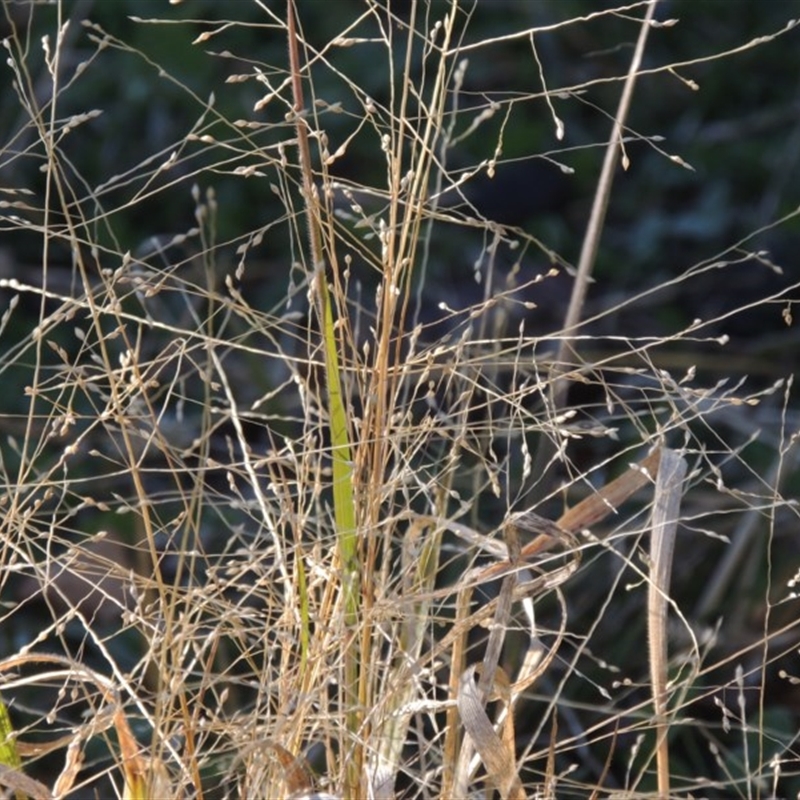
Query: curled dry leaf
296,774
496,752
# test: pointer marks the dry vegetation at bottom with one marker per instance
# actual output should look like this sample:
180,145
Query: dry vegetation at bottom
320,517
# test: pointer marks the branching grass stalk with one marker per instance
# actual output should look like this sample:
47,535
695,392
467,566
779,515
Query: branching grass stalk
343,499
589,248
58,184
168,661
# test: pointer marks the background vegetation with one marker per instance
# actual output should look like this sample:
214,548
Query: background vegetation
271,425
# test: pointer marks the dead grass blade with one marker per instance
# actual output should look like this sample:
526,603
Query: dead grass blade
669,489
496,752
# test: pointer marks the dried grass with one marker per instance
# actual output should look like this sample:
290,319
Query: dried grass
273,516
